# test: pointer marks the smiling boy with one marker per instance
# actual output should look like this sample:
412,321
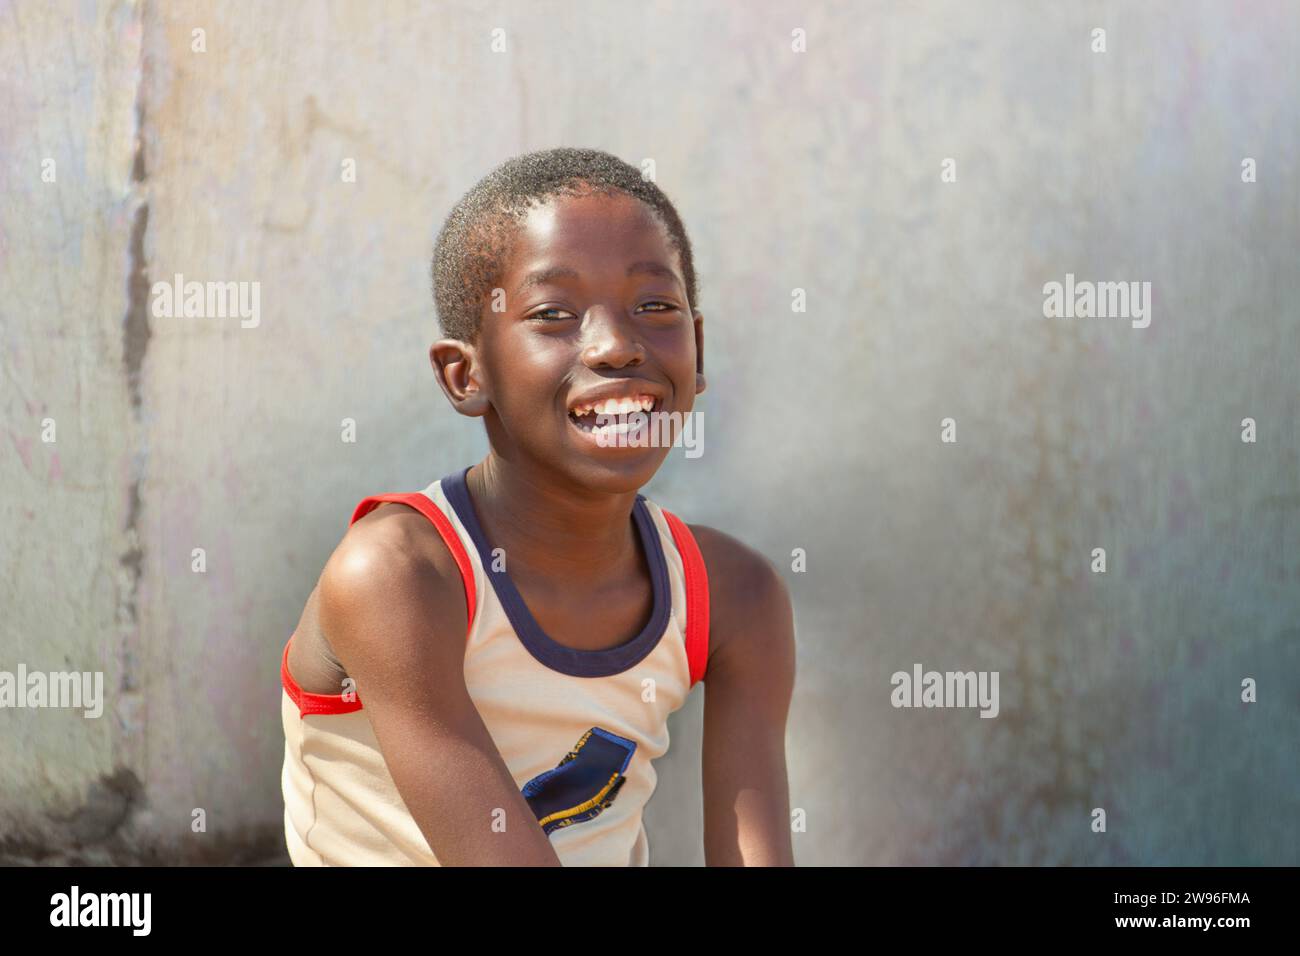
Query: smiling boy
484,671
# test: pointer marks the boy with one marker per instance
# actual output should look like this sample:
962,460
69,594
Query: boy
510,641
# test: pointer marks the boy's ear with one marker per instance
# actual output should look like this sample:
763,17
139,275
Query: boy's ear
700,383
456,366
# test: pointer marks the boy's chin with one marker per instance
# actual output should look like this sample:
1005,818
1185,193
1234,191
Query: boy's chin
615,470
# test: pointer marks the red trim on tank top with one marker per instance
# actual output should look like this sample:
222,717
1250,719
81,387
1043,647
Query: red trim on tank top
697,596
309,703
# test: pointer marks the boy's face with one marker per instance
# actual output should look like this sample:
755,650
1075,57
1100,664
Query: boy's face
595,309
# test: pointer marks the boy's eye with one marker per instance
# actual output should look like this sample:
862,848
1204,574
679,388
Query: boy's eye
546,315
667,306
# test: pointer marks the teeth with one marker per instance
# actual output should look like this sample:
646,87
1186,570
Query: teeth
614,428
615,406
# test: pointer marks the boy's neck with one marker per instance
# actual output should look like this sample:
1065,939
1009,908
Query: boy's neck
546,528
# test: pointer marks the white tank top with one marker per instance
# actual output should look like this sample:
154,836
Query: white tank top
577,729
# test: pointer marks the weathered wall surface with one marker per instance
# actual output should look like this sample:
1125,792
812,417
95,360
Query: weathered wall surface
816,170
71,558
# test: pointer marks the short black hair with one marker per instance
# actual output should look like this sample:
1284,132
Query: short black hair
474,242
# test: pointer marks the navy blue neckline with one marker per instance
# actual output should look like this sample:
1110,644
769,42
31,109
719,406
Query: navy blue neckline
569,660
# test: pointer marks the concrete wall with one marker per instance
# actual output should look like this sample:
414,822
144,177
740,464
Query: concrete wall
816,170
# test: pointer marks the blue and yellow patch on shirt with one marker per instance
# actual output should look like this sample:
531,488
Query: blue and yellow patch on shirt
584,783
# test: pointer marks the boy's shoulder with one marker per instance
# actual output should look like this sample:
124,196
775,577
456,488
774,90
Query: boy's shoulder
396,553
746,593
394,533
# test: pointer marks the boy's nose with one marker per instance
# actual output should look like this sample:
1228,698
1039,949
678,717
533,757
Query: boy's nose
608,339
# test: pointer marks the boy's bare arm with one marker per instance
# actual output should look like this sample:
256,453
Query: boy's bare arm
748,685
393,609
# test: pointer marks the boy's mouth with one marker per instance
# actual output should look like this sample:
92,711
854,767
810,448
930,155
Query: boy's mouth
610,418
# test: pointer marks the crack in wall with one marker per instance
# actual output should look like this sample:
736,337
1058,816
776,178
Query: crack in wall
136,336
135,327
